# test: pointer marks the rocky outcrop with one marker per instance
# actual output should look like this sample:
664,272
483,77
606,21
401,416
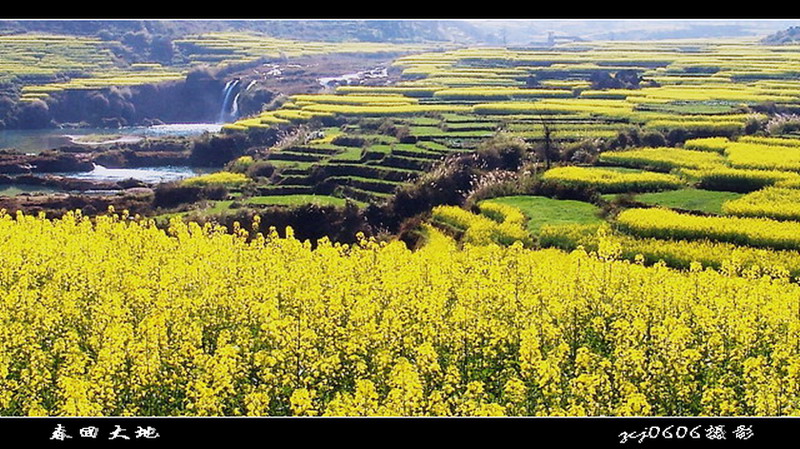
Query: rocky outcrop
790,35
136,201
46,162
67,183
196,99
130,158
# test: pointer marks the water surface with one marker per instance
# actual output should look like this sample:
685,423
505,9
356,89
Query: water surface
145,174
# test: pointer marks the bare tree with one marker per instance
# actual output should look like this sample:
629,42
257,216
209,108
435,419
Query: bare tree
548,149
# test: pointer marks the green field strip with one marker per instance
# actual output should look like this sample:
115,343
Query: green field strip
411,163
438,147
542,211
364,195
349,154
293,156
284,190
369,171
368,184
301,180
297,171
414,151
295,200
284,164
708,201
324,149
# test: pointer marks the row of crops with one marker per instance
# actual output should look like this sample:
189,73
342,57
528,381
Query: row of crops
367,170
238,47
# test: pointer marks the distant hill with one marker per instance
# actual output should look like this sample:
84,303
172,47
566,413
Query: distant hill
521,32
152,40
788,36
465,31
406,31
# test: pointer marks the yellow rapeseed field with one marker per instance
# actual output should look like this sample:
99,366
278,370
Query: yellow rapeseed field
780,203
612,180
115,317
750,231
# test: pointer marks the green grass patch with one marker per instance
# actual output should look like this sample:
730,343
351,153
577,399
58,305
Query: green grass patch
414,148
472,126
464,118
349,154
281,164
384,149
708,201
211,208
541,210
219,207
699,107
17,189
379,139
296,200
424,121
436,146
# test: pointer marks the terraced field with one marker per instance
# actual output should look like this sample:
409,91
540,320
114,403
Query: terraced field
43,64
448,102
702,89
459,98
638,255
451,101
717,224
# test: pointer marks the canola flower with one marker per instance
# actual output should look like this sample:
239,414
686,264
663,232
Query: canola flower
502,213
715,144
662,159
763,156
727,257
793,183
499,223
738,179
116,317
776,141
668,224
612,180
218,178
779,203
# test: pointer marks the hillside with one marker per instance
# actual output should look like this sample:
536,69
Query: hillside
313,30
788,36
